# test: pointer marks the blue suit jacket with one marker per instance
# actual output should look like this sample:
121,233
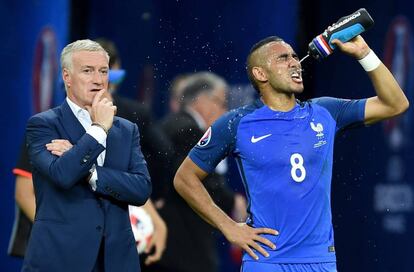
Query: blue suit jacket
71,219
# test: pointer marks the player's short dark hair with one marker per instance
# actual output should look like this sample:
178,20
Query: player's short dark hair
255,47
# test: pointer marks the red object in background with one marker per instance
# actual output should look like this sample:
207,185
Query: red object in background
236,254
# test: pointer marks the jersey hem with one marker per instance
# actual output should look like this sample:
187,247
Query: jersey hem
294,260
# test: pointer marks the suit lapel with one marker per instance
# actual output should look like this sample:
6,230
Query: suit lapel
71,124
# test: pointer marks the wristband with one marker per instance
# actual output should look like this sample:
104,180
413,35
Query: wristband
370,62
101,126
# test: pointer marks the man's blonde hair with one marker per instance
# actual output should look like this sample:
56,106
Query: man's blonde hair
79,45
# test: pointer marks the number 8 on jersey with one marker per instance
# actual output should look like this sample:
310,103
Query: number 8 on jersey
296,160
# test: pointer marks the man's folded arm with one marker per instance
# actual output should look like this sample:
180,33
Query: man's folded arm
65,171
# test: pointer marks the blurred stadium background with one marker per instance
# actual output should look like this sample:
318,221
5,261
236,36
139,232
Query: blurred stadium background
373,196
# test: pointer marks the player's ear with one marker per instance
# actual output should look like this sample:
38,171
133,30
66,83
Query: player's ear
259,74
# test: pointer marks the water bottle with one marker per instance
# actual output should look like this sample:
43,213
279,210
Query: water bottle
344,30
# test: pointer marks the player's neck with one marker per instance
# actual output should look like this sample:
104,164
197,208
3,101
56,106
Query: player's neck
279,101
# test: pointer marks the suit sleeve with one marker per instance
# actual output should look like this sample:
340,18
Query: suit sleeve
133,186
65,171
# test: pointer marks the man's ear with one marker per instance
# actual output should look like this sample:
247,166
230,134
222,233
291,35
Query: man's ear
259,74
66,76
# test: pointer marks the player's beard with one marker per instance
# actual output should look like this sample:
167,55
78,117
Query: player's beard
290,88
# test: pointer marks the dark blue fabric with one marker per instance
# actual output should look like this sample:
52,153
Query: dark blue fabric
343,111
285,160
72,220
251,266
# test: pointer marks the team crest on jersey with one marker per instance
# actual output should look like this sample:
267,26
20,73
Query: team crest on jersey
318,128
205,139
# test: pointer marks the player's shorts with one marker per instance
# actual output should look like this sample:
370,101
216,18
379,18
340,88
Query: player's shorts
249,266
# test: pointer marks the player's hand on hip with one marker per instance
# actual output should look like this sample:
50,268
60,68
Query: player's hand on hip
59,146
357,47
102,110
249,238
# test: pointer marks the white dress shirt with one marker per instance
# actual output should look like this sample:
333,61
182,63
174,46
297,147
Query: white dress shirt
96,132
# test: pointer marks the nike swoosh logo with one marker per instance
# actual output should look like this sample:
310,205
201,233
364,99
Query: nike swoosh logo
255,140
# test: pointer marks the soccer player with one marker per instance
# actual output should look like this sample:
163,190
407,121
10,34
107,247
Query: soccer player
284,151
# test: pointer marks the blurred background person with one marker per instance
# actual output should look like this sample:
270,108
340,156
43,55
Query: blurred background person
176,89
191,244
25,205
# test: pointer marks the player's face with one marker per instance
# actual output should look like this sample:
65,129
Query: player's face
87,76
283,68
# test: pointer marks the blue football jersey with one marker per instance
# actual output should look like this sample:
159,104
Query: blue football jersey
285,162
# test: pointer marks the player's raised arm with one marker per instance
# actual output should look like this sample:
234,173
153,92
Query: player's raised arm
390,99
188,183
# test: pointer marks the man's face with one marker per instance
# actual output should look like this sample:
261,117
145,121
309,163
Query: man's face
283,69
217,104
211,105
88,75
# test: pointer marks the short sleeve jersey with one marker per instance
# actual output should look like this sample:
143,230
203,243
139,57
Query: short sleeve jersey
285,162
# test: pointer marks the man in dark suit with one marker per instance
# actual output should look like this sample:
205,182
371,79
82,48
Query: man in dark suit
87,168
